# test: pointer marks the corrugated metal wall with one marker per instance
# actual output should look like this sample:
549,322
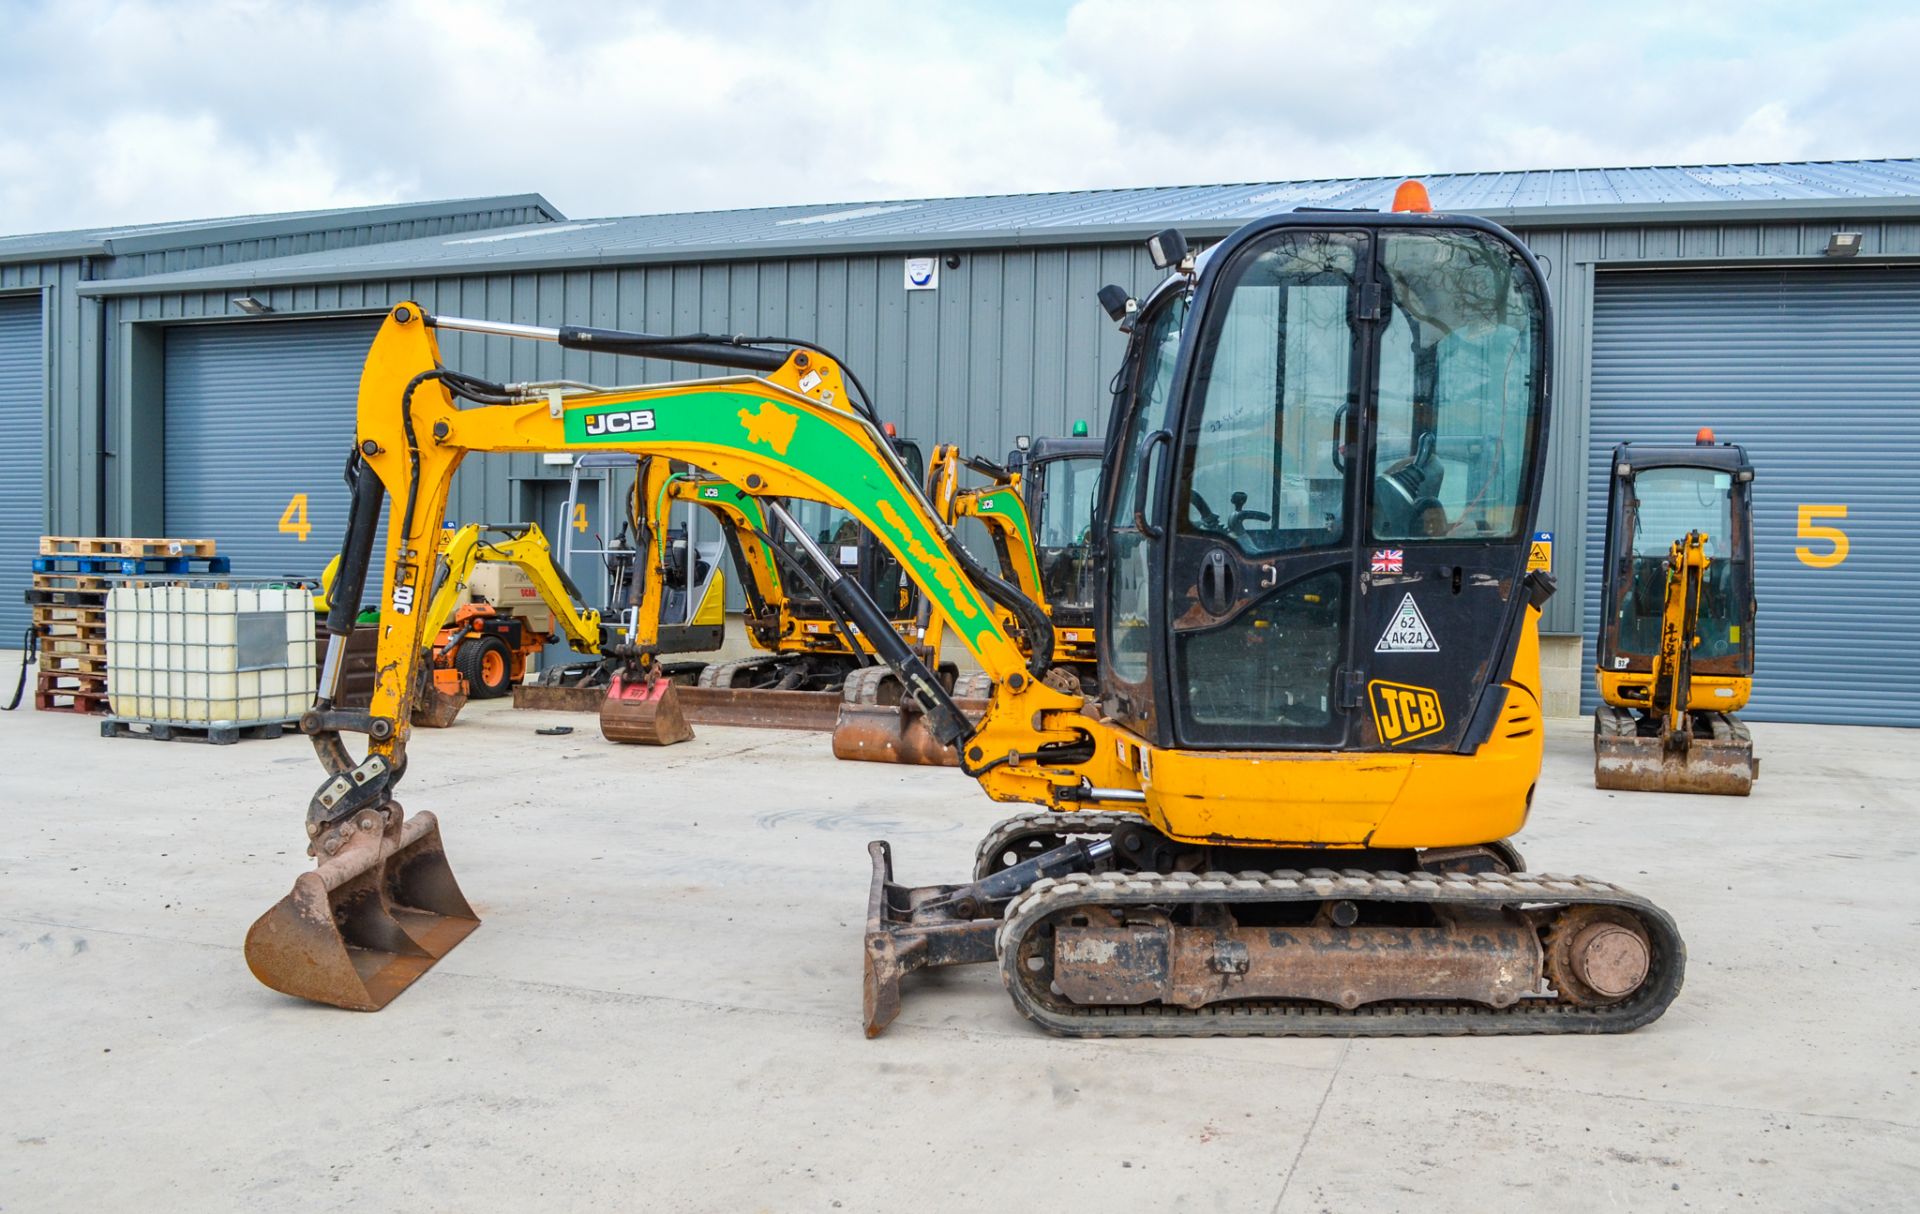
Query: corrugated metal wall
22,414
259,420
86,345
1012,341
1817,374
71,435
1574,258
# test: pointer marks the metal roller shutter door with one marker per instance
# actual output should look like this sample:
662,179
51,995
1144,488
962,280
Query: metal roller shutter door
260,416
22,484
1817,374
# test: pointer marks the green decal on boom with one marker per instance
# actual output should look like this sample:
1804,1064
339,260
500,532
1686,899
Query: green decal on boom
1008,504
771,428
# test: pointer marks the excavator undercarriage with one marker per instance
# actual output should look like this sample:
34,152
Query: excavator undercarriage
1118,931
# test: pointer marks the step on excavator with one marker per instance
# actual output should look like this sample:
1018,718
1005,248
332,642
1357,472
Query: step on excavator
1054,481
1674,658
1288,810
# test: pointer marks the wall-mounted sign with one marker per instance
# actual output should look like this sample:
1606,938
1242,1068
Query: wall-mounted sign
923,273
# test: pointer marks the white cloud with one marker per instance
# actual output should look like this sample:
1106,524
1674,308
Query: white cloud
145,110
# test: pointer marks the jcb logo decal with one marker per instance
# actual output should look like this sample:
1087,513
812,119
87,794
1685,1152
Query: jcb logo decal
635,421
1402,713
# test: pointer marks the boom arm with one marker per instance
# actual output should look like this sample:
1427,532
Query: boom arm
790,434
1679,628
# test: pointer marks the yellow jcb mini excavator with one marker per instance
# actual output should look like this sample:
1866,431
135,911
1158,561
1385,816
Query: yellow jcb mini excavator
1674,658
1287,810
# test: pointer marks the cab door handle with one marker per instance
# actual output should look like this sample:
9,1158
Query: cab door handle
1219,583
1156,440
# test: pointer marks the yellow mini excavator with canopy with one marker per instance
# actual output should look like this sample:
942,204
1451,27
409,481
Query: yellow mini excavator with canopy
1674,658
1286,812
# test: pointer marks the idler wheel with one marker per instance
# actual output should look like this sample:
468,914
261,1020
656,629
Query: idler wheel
1598,955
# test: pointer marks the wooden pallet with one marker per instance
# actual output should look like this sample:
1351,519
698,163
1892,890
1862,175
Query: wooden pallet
82,665
57,645
106,545
215,735
65,691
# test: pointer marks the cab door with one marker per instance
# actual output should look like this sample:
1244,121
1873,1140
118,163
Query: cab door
1260,583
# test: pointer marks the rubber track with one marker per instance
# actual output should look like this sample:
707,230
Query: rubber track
720,674
1045,824
1263,1018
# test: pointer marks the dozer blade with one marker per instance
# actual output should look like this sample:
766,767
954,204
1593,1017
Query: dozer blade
362,926
899,942
895,733
761,707
644,712
1722,764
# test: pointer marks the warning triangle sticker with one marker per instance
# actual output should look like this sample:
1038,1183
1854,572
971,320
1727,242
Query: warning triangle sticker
1408,632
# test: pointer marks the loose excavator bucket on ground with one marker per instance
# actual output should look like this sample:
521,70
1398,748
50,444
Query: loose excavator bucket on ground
874,726
373,917
1721,763
895,733
644,712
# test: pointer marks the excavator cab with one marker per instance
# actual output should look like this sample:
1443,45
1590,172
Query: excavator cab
1060,482
1674,655
1328,443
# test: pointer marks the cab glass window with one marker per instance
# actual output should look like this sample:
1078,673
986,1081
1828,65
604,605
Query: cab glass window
1263,462
1460,358
1129,590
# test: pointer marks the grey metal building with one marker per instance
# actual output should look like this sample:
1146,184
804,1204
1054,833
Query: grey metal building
1685,296
73,467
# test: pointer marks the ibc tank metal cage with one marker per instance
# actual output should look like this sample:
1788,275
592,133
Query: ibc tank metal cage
211,652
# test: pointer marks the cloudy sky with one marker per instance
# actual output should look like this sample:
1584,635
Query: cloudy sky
140,111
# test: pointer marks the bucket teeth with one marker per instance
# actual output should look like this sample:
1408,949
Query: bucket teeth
362,927
644,712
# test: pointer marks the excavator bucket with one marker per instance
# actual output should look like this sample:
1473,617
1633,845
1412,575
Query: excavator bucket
373,917
439,701
1721,763
894,733
643,712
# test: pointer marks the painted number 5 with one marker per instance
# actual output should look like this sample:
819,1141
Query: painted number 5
1812,529
294,518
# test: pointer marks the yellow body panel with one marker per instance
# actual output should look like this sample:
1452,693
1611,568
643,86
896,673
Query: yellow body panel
1392,799
1708,692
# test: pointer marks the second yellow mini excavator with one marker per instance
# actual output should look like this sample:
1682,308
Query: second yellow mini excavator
1286,812
1674,658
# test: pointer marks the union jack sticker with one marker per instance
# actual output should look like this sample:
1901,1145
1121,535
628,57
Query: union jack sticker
1389,560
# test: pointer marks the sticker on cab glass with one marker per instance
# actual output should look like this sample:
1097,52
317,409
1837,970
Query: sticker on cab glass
1402,713
1407,632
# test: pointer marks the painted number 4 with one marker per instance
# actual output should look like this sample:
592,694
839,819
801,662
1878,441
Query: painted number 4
293,520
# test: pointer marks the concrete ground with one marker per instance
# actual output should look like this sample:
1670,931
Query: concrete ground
662,1009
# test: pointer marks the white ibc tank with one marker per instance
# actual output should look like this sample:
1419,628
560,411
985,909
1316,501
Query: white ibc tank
225,654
